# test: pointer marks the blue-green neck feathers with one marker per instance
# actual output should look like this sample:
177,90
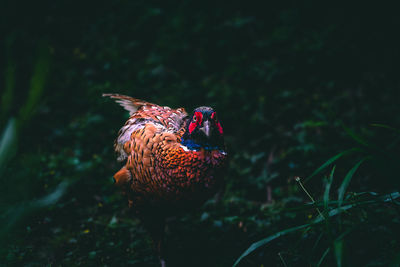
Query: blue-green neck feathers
192,145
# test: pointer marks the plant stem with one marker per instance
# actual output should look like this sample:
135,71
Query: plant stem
280,256
297,178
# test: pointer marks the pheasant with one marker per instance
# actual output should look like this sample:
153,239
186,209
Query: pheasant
172,161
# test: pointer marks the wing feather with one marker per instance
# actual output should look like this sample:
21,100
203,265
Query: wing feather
128,103
141,113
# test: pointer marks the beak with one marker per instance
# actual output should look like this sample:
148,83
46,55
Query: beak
206,128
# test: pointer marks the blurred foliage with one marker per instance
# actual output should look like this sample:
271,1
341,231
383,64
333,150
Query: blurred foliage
299,87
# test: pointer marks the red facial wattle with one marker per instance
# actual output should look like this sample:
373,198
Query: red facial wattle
217,123
197,119
192,126
219,127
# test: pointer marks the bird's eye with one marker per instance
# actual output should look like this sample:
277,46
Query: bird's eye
194,118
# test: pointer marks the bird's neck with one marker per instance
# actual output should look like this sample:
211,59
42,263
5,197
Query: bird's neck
196,145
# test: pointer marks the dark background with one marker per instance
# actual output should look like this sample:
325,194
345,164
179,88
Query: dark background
294,84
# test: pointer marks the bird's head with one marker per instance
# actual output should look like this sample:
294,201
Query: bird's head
204,130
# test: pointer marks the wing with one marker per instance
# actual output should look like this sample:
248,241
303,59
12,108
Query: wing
140,176
142,113
129,103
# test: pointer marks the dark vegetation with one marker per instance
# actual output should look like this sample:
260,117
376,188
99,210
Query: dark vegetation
309,90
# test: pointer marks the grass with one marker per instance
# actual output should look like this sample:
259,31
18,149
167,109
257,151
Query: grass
339,222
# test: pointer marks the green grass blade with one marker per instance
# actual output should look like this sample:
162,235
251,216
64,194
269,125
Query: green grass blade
268,239
396,260
264,241
385,127
328,188
338,247
8,143
330,161
9,78
37,84
18,212
315,246
355,137
376,199
346,181
333,212
323,257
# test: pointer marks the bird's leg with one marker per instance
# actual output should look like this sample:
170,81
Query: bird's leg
156,228
160,251
269,194
159,242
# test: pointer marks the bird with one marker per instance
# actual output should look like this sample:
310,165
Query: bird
172,161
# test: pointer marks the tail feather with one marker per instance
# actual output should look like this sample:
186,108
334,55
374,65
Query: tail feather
128,103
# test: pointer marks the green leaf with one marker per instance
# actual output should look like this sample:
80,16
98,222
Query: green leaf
8,94
376,199
334,212
386,127
53,197
323,257
8,143
19,211
328,188
396,260
355,137
264,241
37,83
330,161
338,246
346,181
